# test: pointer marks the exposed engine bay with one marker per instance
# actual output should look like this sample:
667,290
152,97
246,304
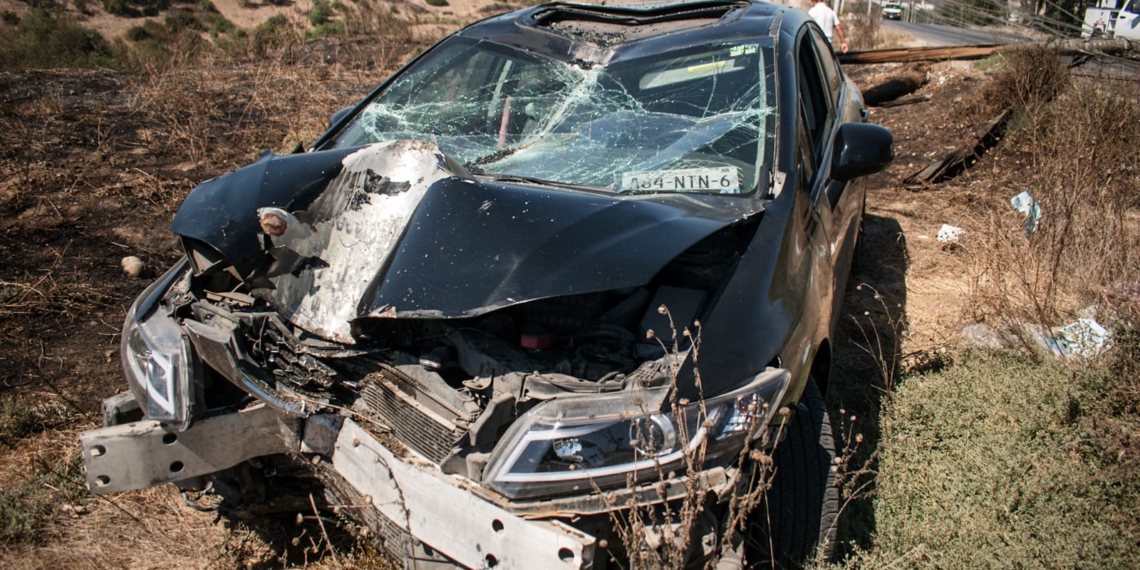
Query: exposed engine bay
449,388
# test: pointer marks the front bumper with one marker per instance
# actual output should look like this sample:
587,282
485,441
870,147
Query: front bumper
414,496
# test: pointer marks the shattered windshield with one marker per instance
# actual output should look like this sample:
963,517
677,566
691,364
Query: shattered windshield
692,120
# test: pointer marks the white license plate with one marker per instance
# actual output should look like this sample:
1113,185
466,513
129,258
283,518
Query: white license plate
723,180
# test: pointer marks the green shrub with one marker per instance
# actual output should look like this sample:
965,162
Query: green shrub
996,462
116,7
320,14
273,25
26,506
20,419
148,51
207,6
218,24
274,32
46,40
137,34
184,20
436,2
332,28
9,17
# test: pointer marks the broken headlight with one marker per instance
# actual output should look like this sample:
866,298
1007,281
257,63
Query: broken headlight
576,445
155,357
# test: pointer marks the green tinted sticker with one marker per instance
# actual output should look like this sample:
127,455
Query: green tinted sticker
746,49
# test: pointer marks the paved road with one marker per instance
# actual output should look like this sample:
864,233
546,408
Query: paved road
940,35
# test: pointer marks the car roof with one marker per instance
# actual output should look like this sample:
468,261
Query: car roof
570,31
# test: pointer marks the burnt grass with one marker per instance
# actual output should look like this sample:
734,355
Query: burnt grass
93,166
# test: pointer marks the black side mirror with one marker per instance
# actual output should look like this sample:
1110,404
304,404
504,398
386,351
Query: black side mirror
861,149
337,116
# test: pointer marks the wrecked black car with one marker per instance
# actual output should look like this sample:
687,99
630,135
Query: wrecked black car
571,260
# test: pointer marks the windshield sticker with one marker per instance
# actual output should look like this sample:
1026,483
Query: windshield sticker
514,115
690,73
746,49
724,180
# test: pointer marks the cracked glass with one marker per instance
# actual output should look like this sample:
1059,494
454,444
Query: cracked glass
691,120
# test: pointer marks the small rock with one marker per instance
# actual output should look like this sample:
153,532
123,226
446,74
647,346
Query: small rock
132,266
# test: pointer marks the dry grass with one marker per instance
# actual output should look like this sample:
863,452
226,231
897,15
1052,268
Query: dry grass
1075,138
94,176
95,165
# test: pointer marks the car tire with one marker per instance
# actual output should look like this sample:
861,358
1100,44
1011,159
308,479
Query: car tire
803,501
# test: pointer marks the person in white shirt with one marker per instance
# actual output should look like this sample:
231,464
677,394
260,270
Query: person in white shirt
828,21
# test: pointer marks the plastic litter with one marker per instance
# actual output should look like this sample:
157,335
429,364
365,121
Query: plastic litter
950,234
1086,338
1025,204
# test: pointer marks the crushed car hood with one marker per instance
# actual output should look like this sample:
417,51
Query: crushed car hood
398,230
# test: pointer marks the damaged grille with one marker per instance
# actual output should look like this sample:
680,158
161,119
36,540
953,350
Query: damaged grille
416,418
277,351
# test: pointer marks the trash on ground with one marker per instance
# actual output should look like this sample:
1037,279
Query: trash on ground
1086,338
1025,204
982,335
949,234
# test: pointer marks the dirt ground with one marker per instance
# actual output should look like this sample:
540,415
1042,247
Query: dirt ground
93,165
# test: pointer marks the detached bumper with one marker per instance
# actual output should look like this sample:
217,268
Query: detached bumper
413,496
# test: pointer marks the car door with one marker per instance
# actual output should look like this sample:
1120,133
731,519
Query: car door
846,199
836,205
817,122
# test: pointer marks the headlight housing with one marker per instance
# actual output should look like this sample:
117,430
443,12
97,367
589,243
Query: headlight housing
574,445
156,358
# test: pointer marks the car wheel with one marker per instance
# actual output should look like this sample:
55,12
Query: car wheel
803,503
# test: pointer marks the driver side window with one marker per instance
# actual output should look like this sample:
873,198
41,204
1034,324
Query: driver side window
814,102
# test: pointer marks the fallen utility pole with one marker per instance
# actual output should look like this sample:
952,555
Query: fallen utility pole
1072,46
905,55
960,158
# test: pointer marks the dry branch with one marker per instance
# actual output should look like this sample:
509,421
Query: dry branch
959,158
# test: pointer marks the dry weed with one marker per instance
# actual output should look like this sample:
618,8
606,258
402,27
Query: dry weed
1083,176
664,536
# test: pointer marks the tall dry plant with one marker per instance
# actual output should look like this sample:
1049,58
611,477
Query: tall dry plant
664,536
1080,139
